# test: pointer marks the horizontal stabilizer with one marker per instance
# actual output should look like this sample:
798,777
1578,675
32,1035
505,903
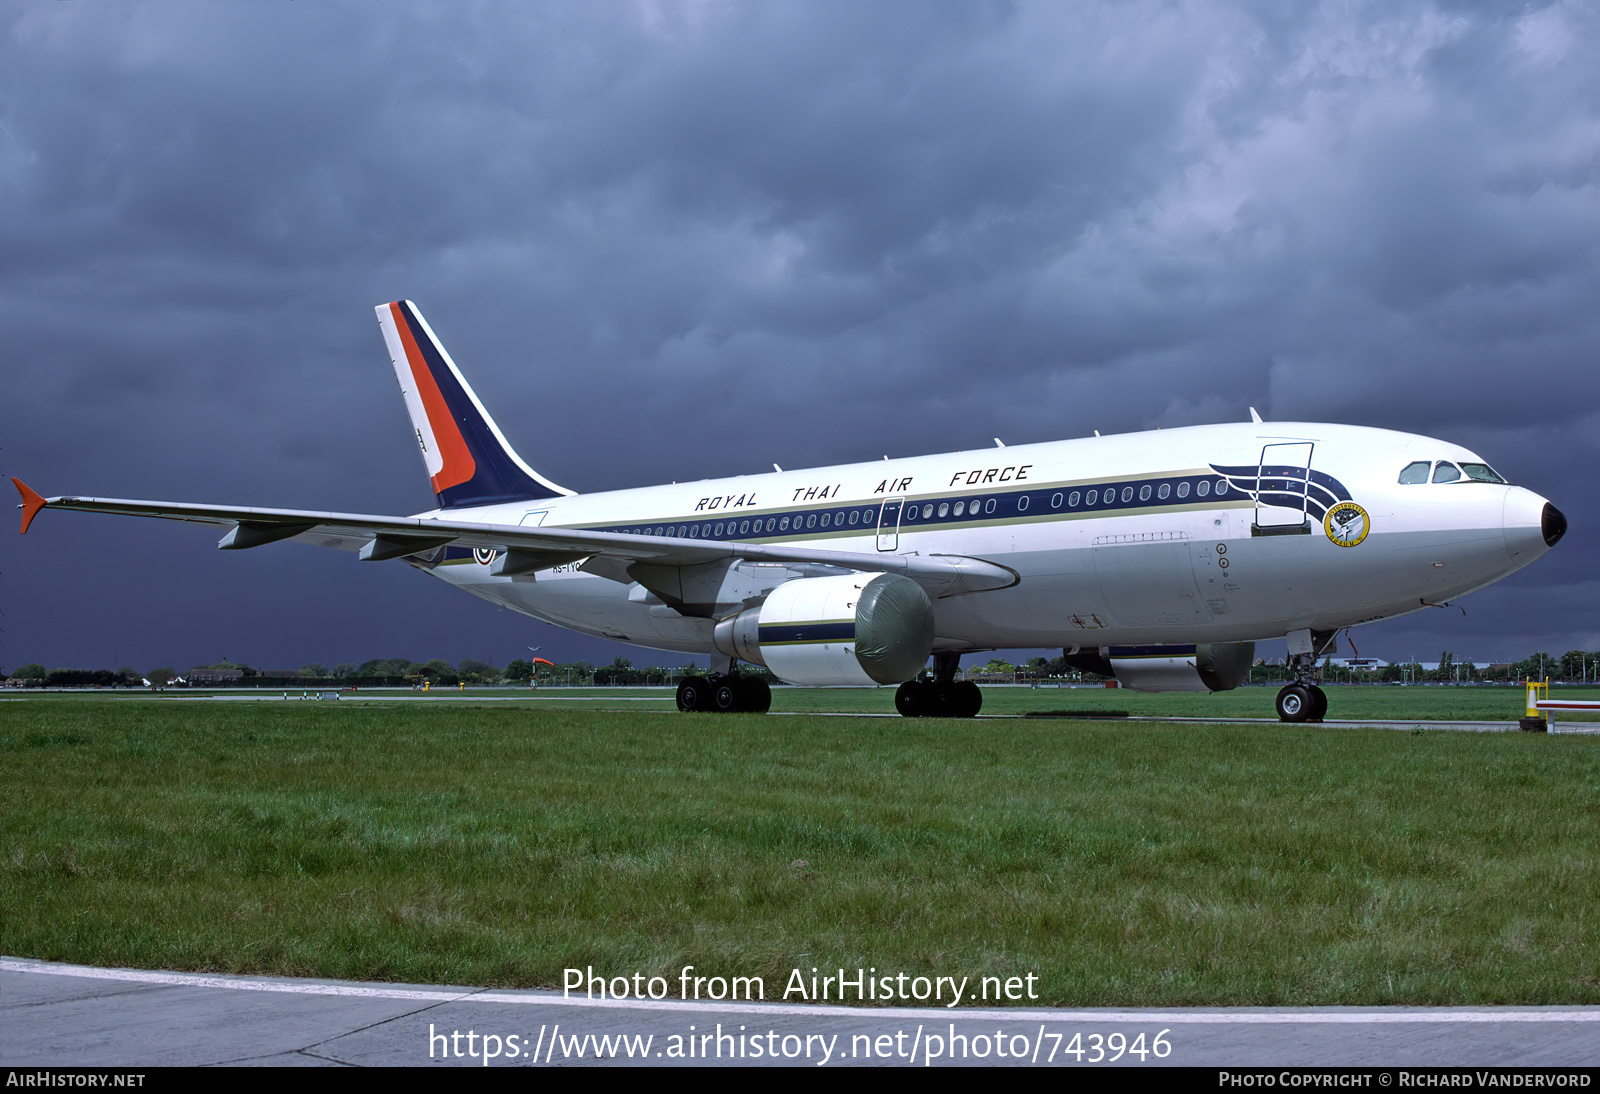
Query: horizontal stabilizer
31,503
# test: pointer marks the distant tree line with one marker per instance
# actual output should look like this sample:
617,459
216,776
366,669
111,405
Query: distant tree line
1574,666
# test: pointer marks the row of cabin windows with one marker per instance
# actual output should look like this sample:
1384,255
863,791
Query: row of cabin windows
1445,471
1093,497
803,522
868,517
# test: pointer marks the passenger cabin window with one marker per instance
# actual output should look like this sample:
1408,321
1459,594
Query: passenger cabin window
1446,472
1415,473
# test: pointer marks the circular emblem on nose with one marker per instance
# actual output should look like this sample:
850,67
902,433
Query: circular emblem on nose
1346,524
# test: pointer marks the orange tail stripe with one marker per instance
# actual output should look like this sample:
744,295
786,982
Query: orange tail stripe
459,466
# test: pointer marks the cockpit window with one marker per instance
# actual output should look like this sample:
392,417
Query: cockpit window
1415,473
1446,472
1481,472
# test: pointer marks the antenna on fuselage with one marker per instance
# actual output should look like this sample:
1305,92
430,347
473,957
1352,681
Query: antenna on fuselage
1254,417
998,443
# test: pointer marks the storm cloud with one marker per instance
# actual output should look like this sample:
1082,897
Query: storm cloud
671,241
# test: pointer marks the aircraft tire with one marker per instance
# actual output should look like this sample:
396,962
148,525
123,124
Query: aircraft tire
1319,704
1294,703
755,697
694,694
908,699
725,697
966,699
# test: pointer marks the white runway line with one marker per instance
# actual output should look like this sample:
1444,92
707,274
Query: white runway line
1197,1016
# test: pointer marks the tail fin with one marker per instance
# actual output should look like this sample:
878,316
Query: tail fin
466,454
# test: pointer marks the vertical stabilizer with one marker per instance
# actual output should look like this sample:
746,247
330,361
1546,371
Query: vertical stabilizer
467,456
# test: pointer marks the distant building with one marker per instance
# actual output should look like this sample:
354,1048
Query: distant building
203,678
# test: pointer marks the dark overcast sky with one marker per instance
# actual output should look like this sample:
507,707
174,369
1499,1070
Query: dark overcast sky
670,241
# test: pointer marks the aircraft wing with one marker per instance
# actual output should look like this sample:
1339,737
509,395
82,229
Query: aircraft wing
527,550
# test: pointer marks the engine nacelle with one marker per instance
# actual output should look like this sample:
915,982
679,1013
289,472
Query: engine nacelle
860,629
1209,666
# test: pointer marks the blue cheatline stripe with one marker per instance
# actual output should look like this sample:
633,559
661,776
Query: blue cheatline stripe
807,632
1232,485
496,478
1282,484
1181,491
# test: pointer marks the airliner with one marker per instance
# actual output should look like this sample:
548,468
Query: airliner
1157,558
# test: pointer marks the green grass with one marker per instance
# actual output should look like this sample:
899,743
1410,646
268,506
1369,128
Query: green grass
1359,702
1124,863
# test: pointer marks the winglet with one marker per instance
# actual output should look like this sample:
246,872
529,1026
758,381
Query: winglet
31,503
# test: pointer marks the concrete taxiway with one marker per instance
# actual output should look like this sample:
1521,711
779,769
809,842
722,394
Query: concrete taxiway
63,1015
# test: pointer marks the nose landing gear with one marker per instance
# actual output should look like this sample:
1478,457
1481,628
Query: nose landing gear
1302,700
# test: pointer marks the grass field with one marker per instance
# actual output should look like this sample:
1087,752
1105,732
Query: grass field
1359,702
1124,863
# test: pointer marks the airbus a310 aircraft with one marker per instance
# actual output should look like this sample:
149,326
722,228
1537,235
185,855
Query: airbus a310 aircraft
1159,558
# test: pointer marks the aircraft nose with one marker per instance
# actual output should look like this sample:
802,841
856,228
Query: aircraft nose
1532,525
1553,524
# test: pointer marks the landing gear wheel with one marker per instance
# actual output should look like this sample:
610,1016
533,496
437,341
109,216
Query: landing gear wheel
966,699
694,694
755,697
1294,703
1319,703
910,699
725,697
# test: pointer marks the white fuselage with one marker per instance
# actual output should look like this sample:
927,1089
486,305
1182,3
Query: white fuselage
1159,567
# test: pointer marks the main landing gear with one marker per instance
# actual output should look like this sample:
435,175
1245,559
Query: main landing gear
1302,700
939,695
1302,703
724,694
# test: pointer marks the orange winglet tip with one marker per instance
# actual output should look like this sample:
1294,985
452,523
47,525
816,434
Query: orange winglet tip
31,503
